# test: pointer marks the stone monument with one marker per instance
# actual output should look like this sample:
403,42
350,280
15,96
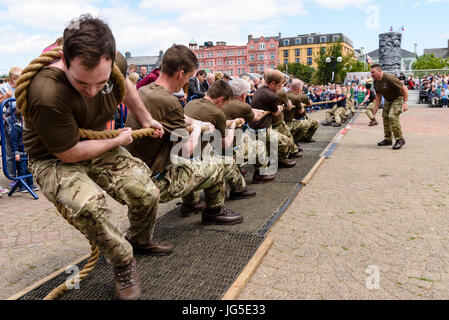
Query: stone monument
390,52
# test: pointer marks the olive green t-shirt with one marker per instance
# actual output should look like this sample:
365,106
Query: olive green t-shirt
290,114
267,100
204,110
389,87
305,101
238,109
165,108
57,112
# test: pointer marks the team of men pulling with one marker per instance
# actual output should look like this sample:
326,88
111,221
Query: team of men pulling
76,92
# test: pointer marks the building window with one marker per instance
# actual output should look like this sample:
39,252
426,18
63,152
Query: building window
297,60
310,40
271,45
285,53
243,52
252,68
211,54
297,52
261,68
242,62
260,56
309,61
261,46
232,53
298,41
251,46
336,38
211,63
309,51
286,42
323,50
285,61
251,57
323,39
272,56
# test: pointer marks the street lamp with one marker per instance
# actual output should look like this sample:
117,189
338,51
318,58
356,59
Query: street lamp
334,63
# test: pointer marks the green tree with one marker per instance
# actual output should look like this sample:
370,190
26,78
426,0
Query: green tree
429,61
324,69
298,70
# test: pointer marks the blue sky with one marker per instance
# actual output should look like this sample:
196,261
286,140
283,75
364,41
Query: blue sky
144,27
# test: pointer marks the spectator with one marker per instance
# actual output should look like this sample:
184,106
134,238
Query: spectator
143,72
434,97
210,78
149,78
444,98
132,68
227,78
20,155
196,87
7,90
134,77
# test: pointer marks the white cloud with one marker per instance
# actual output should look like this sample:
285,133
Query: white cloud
342,4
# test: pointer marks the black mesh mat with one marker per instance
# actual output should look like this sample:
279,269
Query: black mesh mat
203,266
207,259
260,210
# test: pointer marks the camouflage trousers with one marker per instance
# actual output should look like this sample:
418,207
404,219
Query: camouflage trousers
391,112
185,176
337,113
250,150
370,110
303,130
349,106
81,187
231,175
286,140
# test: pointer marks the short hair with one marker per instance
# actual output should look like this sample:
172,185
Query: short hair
226,76
377,66
239,87
15,72
132,66
296,83
90,39
134,77
220,88
274,76
201,73
178,58
210,76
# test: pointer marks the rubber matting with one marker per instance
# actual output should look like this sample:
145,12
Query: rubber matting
207,259
203,266
260,210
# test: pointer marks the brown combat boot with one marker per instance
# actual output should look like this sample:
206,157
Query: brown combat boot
153,248
244,194
222,216
287,163
295,155
258,178
127,284
190,210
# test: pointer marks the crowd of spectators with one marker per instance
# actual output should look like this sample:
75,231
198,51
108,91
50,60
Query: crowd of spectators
434,90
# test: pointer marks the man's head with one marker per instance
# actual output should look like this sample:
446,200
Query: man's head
274,79
201,75
220,93
88,54
376,72
210,78
338,91
143,71
296,86
240,88
14,75
226,77
132,68
178,64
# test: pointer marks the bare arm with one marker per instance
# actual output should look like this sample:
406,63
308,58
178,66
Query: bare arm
135,104
378,101
89,149
404,91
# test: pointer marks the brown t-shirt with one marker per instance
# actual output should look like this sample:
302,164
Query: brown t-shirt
290,114
305,101
264,99
204,110
165,108
389,87
57,111
238,109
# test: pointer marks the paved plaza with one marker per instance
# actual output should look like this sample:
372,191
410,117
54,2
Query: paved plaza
367,209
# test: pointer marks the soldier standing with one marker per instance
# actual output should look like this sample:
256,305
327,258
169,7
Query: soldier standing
396,96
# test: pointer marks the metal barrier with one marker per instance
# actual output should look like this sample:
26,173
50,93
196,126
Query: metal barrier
20,180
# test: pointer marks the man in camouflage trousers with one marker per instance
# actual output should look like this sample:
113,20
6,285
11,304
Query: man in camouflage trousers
78,174
301,127
396,95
